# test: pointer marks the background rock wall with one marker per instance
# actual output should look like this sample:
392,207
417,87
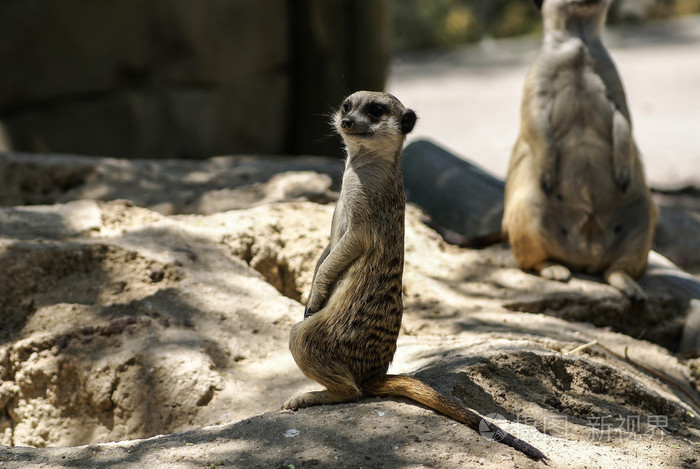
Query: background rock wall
192,79
182,78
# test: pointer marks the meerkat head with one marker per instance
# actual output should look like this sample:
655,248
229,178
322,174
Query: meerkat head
373,122
559,14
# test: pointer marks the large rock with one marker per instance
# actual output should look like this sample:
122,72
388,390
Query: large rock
120,322
169,186
145,78
456,194
182,78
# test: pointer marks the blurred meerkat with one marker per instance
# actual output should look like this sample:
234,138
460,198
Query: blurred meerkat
352,319
575,196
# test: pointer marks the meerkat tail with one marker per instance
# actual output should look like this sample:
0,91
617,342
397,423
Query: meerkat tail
417,390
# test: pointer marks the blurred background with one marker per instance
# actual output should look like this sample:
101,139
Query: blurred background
197,78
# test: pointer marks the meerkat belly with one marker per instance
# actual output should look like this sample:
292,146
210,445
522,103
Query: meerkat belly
581,211
360,324
586,170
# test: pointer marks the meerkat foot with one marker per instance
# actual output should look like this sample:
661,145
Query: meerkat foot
553,271
312,398
623,282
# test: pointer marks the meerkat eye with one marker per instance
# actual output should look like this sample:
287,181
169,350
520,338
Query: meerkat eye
345,107
377,110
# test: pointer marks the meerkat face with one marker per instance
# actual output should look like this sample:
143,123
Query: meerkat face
373,122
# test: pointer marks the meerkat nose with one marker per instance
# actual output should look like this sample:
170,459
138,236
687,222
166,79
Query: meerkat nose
346,123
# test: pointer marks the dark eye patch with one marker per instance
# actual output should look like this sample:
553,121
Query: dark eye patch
377,110
345,107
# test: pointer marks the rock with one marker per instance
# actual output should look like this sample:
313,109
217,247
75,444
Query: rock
587,410
679,227
145,78
110,353
453,192
183,79
170,186
124,323
690,341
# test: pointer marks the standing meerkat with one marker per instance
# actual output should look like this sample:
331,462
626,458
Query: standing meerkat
353,315
575,196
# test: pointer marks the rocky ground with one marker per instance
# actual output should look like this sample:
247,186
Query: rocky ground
153,298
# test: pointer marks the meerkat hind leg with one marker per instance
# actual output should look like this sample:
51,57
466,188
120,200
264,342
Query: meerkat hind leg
623,282
553,271
313,398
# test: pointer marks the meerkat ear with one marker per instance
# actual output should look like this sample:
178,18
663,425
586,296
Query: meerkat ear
408,120
538,4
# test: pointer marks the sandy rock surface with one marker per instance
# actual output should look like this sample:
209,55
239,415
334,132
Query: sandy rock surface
161,315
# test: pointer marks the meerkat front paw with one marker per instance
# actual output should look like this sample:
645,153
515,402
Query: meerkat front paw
556,272
623,176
